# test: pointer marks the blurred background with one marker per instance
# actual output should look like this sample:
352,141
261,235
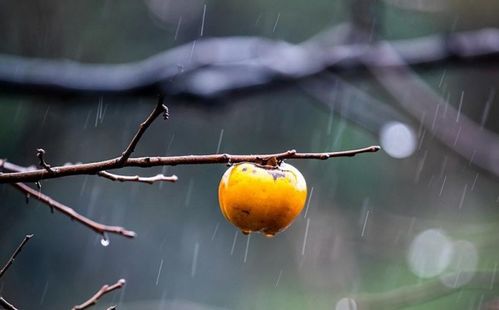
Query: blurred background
413,214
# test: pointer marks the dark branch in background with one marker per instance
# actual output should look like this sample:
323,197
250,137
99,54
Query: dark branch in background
480,146
96,167
103,291
4,303
245,64
53,204
14,255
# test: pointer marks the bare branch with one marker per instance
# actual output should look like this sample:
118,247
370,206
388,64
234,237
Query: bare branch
103,291
6,305
246,64
95,167
53,204
136,178
16,252
160,109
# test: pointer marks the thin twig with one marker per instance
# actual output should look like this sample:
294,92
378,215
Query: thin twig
16,252
95,167
6,305
136,178
158,110
40,153
103,291
53,204
112,308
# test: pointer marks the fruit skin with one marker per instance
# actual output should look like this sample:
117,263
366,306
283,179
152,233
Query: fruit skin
260,198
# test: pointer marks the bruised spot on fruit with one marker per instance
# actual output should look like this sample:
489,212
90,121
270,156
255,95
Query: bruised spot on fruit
276,174
244,169
245,212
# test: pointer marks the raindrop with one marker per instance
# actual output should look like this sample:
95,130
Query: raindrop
189,193
104,241
247,248
276,21
159,271
178,27
308,204
233,243
215,231
195,259
486,110
397,140
460,107
443,185
463,195
220,141
305,238
365,224
474,182
192,50
202,22
278,278
269,234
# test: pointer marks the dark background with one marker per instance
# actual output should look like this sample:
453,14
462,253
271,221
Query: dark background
365,213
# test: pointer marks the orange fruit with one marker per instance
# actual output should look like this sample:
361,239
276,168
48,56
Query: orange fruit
258,198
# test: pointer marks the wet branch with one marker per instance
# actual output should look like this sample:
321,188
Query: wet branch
72,214
14,255
4,303
96,167
160,109
135,178
103,291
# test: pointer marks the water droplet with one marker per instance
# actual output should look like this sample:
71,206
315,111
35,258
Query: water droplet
269,234
104,241
246,232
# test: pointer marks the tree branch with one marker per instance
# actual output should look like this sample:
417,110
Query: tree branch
454,129
53,204
95,167
158,110
6,305
245,64
136,178
14,255
40,154
103,291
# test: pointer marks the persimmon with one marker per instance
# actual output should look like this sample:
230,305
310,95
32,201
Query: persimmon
259,198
